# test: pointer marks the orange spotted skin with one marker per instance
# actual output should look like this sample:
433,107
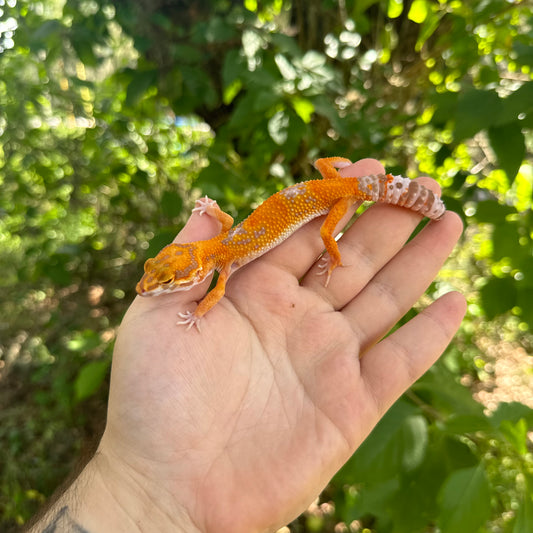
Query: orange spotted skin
182,266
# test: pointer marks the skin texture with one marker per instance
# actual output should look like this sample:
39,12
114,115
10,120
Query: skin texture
181,266
237,428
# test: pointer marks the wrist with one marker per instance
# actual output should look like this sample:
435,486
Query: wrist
109,498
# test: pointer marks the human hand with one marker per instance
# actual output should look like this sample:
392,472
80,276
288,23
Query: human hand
238,428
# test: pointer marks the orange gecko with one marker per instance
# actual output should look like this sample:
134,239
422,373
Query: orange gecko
179,267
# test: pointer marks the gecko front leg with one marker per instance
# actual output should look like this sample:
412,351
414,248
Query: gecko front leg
327,166
210,207
190,318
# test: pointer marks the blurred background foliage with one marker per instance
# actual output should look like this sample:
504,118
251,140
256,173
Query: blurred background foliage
116,115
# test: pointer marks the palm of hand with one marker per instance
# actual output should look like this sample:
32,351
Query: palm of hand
248,421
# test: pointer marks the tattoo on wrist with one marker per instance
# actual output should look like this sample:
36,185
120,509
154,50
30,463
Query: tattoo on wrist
63,522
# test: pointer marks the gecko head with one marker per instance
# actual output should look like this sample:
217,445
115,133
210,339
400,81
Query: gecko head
177,267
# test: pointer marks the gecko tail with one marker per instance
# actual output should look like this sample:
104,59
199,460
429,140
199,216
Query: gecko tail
404,192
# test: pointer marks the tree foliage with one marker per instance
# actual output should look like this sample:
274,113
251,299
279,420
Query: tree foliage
114,115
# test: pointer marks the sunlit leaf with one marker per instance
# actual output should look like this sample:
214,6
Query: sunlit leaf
395,8
98,149
304,108
285,67
418,11
277,127
84,341
516,434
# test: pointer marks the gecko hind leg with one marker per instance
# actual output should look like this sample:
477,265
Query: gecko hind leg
333,257
327,166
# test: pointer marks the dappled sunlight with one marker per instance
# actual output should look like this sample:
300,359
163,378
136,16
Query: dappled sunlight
114,119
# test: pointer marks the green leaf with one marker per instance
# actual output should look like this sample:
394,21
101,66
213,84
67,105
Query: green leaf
418,11
517,103
90,378
395,8
488,75
524,516
161,20
498,296
414,505
304,108
232,68
140,82
397,444
525,297
476,110
464,501
509,145
516,434
49,28
493,212
430,24
82,41
219,30
439,387
187,54
445,104
513,412
250,5
455,454
374,498
171,203
459,424
506,241
84,341
231,91
524,53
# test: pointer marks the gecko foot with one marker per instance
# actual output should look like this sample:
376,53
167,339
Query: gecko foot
189,320
325,266
203,204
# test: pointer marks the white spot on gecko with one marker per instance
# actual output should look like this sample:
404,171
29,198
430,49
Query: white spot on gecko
294,190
